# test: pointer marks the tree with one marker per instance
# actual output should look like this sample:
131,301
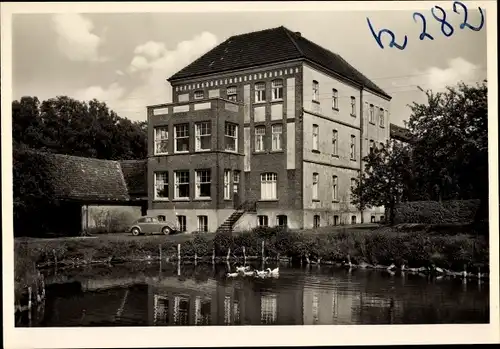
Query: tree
450,143
386,178
66,126
446,159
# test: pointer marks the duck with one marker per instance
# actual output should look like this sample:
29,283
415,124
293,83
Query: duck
261,274
242,269
273,272
232,275
249,273
391,267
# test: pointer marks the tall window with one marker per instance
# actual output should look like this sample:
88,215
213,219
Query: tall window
231,136
232,95
277,89
315,91
181,185
260,132
372,114
161,185
353,147
203,183
263,221
181,138
198,94
202,132
372,146
317,221
335,99
236,180
353,219
281,221
353,106
335,143
276,133
181,220
335,188
227,184
268,186
315,135
203,224
161,140
381,117
315,185
260,92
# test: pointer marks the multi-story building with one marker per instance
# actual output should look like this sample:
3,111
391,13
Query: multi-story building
270,123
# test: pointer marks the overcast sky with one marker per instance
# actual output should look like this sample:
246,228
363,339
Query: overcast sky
124,59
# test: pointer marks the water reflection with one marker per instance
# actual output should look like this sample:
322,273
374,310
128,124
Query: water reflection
200,296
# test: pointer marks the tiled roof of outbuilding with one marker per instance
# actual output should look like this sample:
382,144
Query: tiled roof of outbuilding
97,180
271,46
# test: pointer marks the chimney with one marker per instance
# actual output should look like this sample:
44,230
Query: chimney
298,34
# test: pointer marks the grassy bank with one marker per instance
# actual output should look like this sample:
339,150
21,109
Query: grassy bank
378,246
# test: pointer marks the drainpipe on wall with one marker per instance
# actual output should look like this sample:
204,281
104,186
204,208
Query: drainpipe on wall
361,136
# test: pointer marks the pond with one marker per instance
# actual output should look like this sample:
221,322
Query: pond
151,294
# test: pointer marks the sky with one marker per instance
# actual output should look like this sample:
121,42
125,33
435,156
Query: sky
124,59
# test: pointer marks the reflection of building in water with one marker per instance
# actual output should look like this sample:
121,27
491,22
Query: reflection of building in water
327,305
376,309
202,311
217,304
268,309
161,310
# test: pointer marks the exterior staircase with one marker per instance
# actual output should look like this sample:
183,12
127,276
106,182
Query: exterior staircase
227,226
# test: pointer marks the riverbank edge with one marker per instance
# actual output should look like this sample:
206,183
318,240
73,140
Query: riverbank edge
427,254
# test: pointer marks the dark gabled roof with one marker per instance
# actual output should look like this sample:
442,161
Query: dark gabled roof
135,175
270,46
80,178
399,133
96,180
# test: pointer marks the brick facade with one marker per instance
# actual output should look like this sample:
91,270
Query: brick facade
293,111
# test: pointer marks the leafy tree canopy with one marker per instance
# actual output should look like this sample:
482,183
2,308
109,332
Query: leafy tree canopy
67,126
446,159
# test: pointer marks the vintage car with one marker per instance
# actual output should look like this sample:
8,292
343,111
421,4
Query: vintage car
152,225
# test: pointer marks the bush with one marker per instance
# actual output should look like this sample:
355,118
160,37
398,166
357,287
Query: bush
433,212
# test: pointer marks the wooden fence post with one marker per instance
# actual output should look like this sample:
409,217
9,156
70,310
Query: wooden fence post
213,256
179,252
195,258
228,253
262,250
244,256
159,247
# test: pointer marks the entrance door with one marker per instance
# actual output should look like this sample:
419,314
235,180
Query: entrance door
236,189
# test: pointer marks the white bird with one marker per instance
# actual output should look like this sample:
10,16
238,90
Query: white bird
260,274
232,275
439,270
273,272
242,269
392,266
249,273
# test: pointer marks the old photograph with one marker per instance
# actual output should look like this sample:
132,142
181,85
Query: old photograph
197,168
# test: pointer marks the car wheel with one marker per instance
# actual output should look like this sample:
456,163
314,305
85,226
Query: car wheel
136,232
166,231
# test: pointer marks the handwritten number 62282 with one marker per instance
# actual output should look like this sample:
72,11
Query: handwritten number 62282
446,27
